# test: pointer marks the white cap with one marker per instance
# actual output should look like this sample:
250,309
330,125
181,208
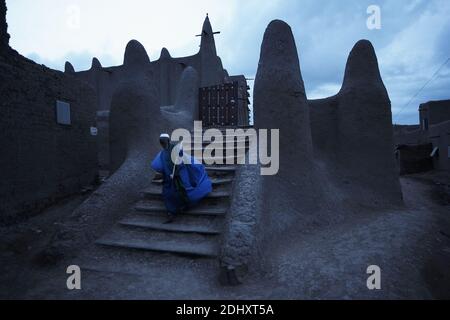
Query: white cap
164,135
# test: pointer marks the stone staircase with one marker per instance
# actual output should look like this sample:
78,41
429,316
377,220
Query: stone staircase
194,233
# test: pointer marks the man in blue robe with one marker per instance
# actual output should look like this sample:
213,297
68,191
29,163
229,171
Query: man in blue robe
185,181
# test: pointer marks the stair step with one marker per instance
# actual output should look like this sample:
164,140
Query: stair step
244,142
224,159
211,222
203,209
228,169
214,181
156,191
161,241
171,227
222,130
213,170
164,246
231,137
188,148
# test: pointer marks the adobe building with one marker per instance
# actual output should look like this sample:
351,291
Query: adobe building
428,145
434,112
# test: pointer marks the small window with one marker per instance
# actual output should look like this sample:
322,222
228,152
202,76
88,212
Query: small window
63,113
94,131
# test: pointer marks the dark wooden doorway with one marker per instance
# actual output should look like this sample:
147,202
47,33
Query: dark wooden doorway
219,105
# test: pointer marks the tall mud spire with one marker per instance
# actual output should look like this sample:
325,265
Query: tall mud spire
208,43
280,103
211,68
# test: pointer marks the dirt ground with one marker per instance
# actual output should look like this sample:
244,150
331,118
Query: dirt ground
411,246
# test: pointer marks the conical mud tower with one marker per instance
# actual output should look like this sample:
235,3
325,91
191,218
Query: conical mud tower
280,103
365,146
352,133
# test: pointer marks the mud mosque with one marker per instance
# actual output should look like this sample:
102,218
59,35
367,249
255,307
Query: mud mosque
96,130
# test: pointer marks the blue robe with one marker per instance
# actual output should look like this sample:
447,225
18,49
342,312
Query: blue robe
190,185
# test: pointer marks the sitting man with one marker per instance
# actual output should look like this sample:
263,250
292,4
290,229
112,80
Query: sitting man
185,181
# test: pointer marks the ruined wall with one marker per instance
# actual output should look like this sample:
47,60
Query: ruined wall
41,160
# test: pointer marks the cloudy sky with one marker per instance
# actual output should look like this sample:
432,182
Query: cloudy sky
412,44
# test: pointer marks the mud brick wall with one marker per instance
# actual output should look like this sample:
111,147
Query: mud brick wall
40,160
